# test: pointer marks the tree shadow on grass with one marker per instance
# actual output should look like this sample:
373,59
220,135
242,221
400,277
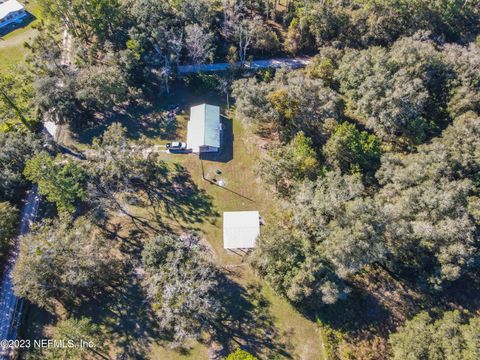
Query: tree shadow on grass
247,323
139,120
183,200
126,316
244,322
362,310
378,304
131,244
163,192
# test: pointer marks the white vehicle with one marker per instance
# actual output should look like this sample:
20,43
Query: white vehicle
176,146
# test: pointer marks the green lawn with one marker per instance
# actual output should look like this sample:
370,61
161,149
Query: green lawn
262,321
294,335
12,50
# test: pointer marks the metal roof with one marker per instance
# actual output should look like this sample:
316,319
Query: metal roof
9,7
203,127
240,229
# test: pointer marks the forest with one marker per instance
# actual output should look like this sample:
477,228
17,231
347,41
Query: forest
370,156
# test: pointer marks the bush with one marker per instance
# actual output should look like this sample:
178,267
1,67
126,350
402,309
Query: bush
240,354
352,150
331,339
202,82
8,222
267,42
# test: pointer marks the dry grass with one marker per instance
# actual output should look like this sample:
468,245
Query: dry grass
263,323
298,337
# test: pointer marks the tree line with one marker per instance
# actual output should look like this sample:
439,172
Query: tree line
373,154
118,51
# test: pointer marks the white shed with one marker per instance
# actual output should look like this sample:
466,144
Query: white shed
204,129
11,11
240,229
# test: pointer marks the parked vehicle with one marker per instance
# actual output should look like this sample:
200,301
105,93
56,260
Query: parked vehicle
176,146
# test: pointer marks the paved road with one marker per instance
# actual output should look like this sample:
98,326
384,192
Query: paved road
11,307
294,63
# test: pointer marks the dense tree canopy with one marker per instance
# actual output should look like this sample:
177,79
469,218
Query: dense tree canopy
372,150
292,267
8,225
360,23
182,285
92,21
240,354
465,61
352,150
323,65
61,181
453,336
429,199
290,103
336,232
398,92
101,87
422,223
16,149
62,262
16,94
281,166
122,48
346,226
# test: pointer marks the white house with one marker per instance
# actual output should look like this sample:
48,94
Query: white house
11,12
240,229
204,129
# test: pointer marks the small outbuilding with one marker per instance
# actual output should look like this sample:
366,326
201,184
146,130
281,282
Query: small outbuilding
204,129
11,12
240,229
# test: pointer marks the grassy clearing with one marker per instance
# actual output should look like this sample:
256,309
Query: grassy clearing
197,351
298,337
144,121
12,51
262,322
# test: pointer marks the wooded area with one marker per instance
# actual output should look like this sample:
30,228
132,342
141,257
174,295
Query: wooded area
370,157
